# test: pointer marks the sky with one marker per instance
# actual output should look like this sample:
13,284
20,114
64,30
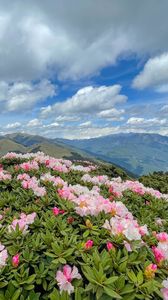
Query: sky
83,69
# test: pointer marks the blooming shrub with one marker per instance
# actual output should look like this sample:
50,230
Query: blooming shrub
70,233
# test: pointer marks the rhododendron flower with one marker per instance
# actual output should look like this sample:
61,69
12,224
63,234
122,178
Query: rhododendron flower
143,230
65,277
88,245
163,247
150,271
22,223
4,175
162,237
159,256
127,227
164,291
127,246
3,255
57,211
15,260
110,246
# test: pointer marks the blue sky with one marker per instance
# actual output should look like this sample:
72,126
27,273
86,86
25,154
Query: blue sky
83,69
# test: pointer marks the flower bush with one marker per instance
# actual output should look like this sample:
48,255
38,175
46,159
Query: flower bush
69,232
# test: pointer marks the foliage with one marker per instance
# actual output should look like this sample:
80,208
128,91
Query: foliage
53,238
156,180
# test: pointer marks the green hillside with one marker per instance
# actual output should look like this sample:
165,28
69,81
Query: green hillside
138,153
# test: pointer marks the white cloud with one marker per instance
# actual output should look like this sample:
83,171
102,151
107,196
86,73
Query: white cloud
73,39
112,114
87,100
13,125
67,118
164,109
52,125
85,124
34,123
154,74
148,122
19,96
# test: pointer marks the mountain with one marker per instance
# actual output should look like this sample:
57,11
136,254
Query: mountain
139,153
6,144
23,143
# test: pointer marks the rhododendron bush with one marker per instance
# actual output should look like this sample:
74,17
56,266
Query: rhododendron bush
67,231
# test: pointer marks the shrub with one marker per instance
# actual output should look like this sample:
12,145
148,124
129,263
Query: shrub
66,233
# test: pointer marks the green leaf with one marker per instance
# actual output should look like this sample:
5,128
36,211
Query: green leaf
3,284
132,276
140,277
62,260
16,294
55,295
112,293
110,280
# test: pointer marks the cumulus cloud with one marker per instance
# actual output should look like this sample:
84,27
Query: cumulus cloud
24,95
148,122
34,123
112,114
73,39
13,125
154,74
87,100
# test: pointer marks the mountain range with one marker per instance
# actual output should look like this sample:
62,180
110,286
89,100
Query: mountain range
139,153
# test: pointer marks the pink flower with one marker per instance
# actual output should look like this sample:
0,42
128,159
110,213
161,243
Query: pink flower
3,255
57,211
15,260
162,237
110,246
127,246
88,245
65,278
164,291
159,256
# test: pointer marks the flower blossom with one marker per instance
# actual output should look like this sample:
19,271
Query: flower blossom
88,245
164,290
3,255
150,271
65,277
15,260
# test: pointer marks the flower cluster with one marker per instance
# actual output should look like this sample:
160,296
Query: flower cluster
22,222
32,183
65,229
4,175
3,256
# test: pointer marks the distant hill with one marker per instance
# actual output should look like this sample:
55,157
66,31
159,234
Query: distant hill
6,144
23,143
137,152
